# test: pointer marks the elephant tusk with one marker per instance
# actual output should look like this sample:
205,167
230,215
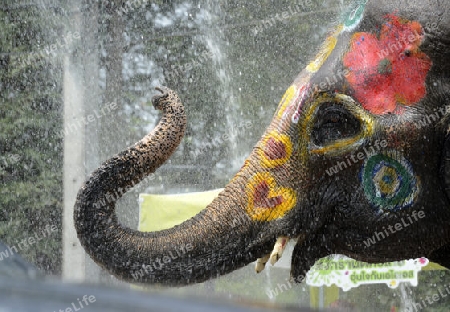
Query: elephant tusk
274,256
278,249
261,263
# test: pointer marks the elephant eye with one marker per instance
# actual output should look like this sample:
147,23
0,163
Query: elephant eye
334,122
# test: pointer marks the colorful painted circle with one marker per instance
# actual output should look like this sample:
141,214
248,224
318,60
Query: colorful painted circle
354,16
389,182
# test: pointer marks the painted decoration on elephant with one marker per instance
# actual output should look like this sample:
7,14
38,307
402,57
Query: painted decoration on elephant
286,100
300,100
354,17
344,145
276,149
268,201
389,182
388,73
327,47
291,104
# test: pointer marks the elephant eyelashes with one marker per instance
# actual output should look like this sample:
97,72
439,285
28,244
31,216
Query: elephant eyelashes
334,122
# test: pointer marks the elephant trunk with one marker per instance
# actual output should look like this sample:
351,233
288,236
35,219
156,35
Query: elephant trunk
218,240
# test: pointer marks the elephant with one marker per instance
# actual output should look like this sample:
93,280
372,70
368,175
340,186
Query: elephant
356,161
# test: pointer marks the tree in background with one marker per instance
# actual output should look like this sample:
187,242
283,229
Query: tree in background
30,121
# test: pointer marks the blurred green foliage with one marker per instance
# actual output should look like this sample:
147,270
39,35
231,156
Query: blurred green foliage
30,117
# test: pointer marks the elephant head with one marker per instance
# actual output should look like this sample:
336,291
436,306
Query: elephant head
356,161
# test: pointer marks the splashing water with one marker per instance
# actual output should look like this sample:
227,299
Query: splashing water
213,38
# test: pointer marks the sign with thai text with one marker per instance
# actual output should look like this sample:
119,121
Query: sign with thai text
347,273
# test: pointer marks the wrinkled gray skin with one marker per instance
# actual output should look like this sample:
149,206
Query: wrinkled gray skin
329,214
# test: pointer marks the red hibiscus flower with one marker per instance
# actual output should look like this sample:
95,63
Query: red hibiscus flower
388,72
